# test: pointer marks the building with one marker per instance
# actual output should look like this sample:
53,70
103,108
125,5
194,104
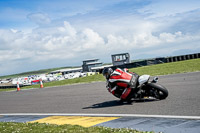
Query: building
67,71
89,64
120,59
92,65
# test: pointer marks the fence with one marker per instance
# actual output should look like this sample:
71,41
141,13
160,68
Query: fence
183,57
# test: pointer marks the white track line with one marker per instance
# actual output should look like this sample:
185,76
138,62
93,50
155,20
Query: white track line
101,115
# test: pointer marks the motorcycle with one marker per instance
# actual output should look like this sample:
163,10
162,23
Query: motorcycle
146,89
151,89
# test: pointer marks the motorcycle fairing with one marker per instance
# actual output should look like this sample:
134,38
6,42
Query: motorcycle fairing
143,79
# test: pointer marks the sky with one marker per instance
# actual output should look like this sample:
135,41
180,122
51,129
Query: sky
40,34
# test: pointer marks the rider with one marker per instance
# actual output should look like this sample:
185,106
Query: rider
120,82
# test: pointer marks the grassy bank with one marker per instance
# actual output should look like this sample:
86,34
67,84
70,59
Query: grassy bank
11,127
159,69
169,68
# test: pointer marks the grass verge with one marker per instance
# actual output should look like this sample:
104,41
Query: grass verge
12,127
169,68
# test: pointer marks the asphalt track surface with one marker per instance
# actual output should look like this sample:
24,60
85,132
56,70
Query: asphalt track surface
92,104
183,99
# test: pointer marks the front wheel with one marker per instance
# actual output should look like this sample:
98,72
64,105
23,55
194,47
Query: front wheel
158,91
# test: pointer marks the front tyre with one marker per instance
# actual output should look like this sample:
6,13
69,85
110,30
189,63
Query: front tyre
158,91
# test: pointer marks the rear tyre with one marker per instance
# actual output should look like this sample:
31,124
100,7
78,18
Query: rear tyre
158,91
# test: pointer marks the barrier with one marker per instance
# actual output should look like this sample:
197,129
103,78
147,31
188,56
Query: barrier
158,61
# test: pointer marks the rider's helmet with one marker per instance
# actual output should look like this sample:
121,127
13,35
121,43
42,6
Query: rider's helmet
107,72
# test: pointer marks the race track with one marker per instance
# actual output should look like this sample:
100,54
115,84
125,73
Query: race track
93,98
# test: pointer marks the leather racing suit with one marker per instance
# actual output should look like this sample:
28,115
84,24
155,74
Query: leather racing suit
121,83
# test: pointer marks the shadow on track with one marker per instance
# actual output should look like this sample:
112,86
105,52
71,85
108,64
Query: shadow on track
117,103
105,104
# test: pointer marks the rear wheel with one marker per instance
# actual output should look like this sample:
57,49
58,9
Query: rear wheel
158,91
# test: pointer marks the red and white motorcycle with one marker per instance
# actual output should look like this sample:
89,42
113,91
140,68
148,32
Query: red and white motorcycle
145,89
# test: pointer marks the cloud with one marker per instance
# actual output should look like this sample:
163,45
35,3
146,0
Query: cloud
39,18
64,43
162,8
69,40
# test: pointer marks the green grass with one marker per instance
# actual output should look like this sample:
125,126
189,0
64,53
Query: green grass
12,127
169,68
153,70
8,89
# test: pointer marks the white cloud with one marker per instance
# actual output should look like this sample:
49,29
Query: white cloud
89,40
67,41
39,18
161,8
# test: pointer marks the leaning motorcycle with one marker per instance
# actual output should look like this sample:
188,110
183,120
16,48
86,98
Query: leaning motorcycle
146,89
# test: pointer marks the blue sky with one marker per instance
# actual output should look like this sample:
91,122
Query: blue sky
39,34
